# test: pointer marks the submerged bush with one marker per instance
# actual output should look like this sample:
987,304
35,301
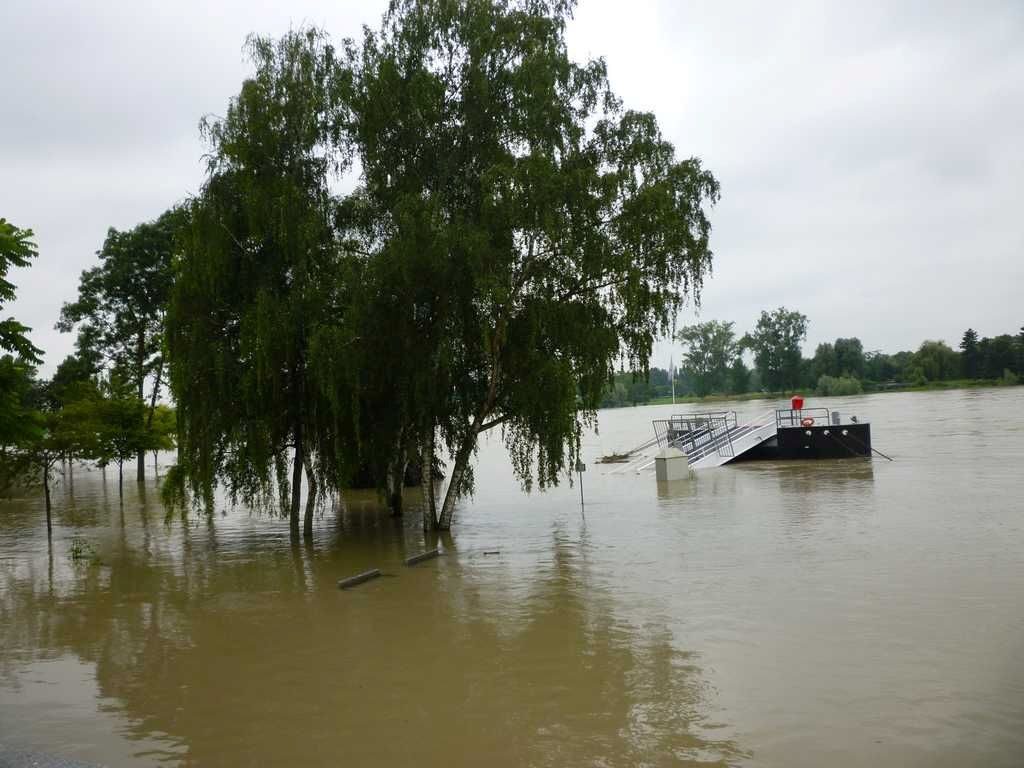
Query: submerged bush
842,385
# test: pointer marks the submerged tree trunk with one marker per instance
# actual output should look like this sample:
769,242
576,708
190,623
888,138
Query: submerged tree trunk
120,477
140,363
297,465
395,482
478,426
307,523
46,494
455,486
149,418
430,502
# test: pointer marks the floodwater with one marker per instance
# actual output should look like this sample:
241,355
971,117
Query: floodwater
848,613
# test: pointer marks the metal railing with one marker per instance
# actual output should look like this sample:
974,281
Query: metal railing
736,439
688,431
701,435
789,417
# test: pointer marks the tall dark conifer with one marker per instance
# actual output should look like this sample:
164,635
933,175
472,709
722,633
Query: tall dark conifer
970,355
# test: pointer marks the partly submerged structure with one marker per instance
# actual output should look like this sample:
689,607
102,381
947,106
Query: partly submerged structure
712,439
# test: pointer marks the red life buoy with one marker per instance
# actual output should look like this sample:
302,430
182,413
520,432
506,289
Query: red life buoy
807,422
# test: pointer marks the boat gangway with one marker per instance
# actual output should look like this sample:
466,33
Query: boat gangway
708,439
714,438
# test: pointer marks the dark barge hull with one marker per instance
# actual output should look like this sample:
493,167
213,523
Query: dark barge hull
816,442
712,439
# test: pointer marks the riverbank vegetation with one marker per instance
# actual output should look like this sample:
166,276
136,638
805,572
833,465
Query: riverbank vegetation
713,365
83,413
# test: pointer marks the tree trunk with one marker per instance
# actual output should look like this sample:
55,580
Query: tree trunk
155,395
297,463
395,482
462,456
140,362
120,477
46,494
456,483
152,409
307,523
430,502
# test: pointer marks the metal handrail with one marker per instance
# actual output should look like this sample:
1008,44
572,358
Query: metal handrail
713,432
757,423
791,417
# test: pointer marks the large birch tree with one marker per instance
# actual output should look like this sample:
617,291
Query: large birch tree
543,230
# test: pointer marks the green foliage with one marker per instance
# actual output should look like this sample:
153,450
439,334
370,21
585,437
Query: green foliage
74,419
844,358
513,232
533,228
120,431
880,367
834,386
16,250
120,306
119,312
970,355
825,362
162,429
17,386
996,355
776,342
935,361
629,388
850,357
740,377
81,551
710,351
31,448
74,379
262,273
1020,352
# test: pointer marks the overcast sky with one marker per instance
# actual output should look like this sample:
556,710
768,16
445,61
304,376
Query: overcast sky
871,155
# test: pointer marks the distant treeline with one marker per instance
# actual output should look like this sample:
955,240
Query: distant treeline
712,363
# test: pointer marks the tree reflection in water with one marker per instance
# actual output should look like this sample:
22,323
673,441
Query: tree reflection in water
227,644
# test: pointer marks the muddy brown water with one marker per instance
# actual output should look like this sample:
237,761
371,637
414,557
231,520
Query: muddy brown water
846,613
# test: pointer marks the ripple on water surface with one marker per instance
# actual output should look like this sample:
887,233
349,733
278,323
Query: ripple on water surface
780,613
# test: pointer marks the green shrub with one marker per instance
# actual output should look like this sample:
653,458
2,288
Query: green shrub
843,385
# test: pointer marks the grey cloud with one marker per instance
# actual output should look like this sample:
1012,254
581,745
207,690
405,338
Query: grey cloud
870,154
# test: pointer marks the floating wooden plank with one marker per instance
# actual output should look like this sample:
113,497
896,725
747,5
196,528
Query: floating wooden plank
359,578
428,555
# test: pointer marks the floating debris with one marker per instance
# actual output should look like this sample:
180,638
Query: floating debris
428,555
614,458
359,578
